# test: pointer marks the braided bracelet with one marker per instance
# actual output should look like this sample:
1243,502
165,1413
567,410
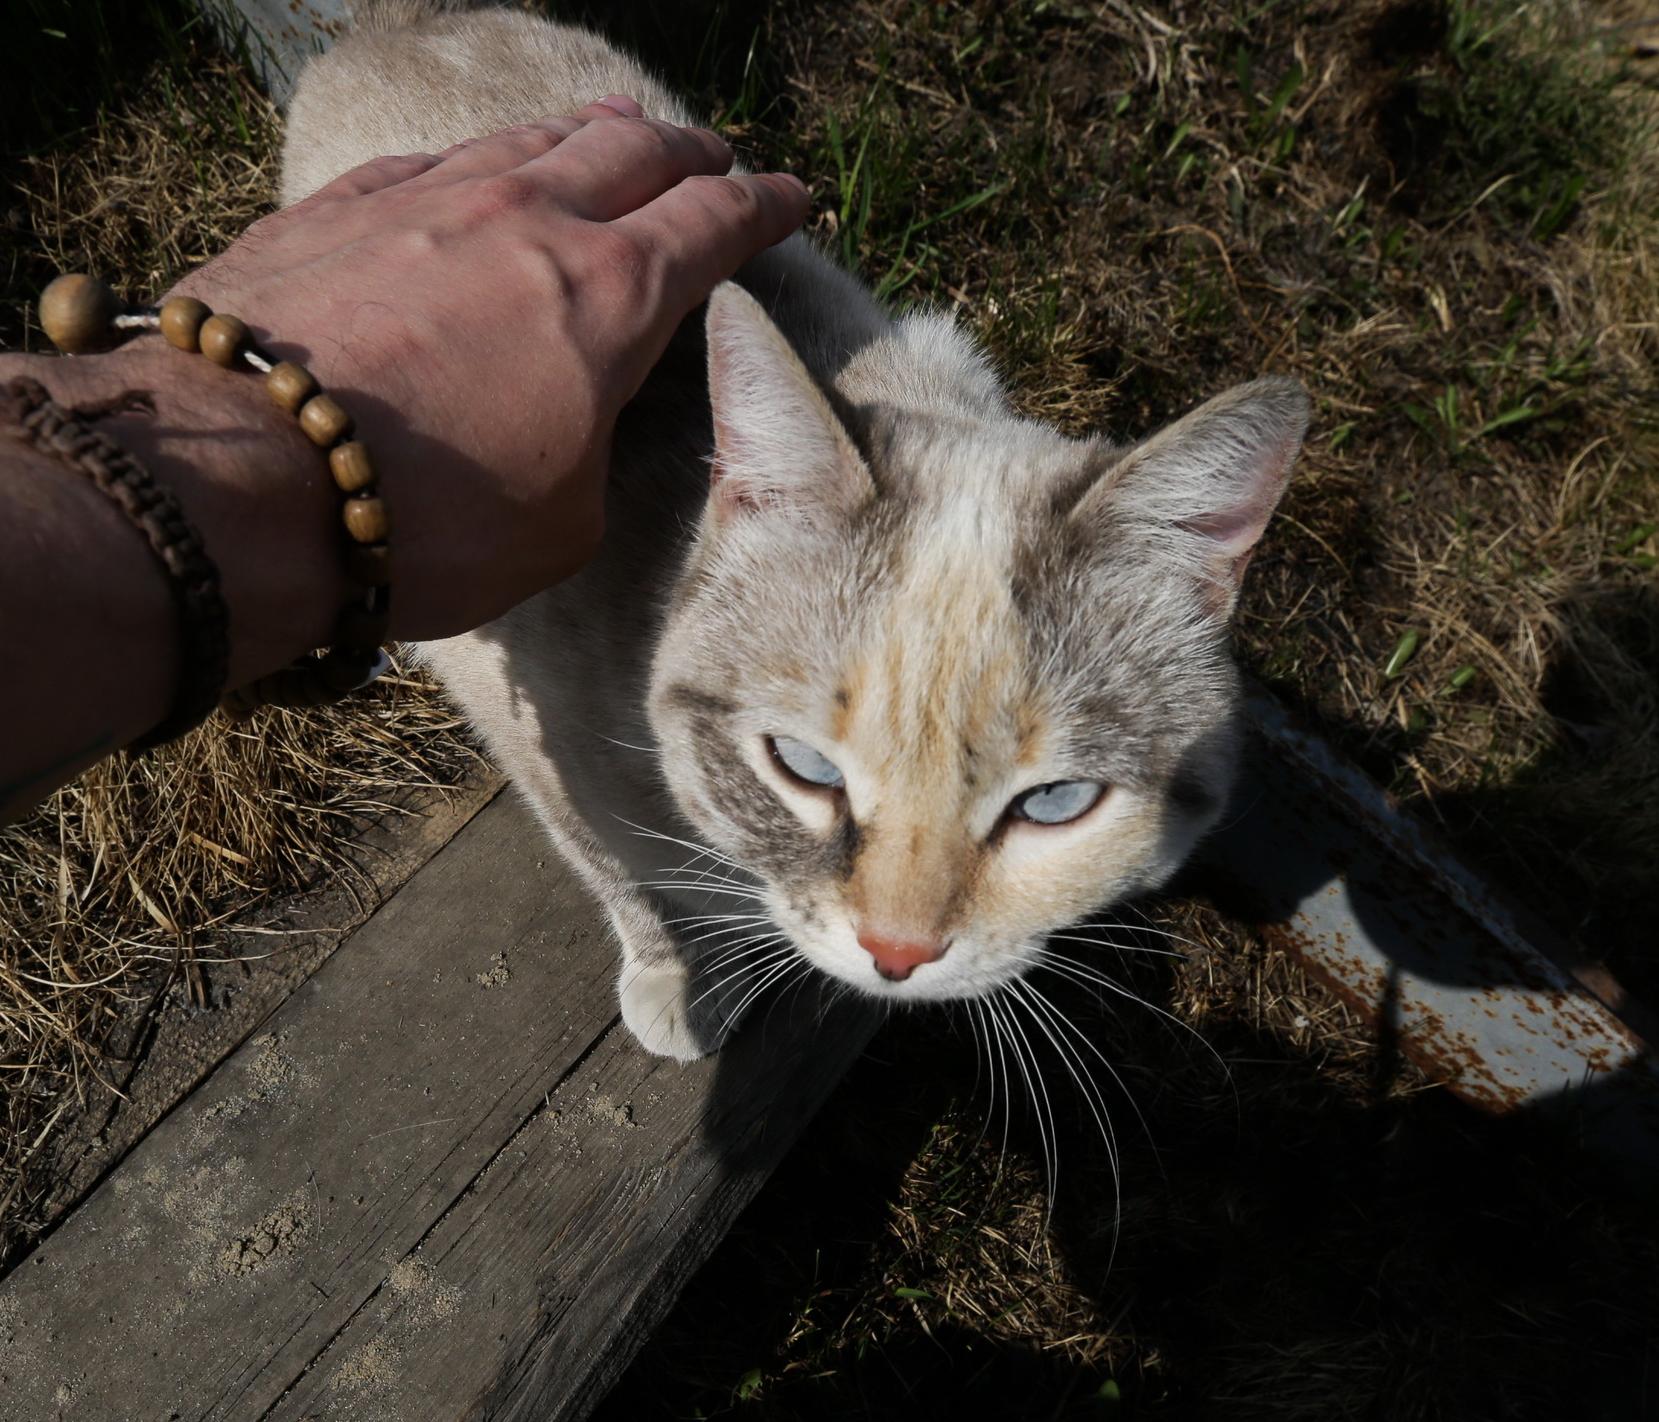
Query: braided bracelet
79,313
29,415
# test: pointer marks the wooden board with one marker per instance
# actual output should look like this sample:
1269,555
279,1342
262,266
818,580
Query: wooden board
172,1048
442,1182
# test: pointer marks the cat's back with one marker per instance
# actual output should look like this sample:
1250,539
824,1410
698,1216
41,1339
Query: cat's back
415,78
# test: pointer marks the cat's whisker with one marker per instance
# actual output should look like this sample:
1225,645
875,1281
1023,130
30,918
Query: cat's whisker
703,889
1146,928
1082,973
991,1022
1046,1014
1019,1044
767,955
700,848
664,1009
737,951
697,878
792,984
723,931
1118,947
714,918
984,1064
1047,1017
737,1012
627,745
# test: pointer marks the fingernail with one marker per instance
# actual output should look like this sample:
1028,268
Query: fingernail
793,180
623,105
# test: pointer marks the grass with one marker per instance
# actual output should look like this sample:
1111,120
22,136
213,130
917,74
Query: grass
1442,217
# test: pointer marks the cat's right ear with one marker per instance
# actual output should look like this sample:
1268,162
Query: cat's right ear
1204,488
779,449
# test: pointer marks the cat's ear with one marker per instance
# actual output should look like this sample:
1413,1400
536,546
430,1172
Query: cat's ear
778,447
1205,487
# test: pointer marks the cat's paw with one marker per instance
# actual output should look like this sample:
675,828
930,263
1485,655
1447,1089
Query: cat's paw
656,1005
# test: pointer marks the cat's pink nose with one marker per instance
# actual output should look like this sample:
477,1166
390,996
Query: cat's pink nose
897,958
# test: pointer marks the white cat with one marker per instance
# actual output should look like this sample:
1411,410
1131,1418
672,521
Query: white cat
911,682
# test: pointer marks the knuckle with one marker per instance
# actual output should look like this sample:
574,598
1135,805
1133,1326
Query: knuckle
655,139
504,194
614,256
727,198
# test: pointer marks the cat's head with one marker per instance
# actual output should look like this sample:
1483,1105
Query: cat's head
943,679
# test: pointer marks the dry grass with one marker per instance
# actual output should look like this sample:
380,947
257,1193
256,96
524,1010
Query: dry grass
121,885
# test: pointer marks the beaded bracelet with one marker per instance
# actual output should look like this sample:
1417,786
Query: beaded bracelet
80,314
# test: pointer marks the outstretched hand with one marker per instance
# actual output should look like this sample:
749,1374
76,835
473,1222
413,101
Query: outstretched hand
486,312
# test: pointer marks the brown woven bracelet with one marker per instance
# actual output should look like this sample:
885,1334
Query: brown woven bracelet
81,314
30,416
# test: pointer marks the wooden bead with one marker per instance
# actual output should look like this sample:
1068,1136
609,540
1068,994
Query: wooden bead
369,565
323,420
361,629
290,385
367,519
181,322
350,466
78,312
223,339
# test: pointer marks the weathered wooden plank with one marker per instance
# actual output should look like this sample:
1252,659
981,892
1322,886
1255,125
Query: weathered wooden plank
443,1183
179,1045
576,1240
245,1230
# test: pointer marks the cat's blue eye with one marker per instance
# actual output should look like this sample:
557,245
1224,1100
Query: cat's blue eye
1057,802
804,763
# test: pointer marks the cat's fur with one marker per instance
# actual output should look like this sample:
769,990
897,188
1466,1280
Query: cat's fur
951,603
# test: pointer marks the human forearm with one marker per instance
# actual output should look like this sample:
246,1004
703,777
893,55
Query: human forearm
90,630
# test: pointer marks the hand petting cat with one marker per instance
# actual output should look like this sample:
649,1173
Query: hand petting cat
484,313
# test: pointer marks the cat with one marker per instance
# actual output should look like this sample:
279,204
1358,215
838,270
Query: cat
912,683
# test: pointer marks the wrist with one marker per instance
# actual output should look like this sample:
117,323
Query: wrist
256,489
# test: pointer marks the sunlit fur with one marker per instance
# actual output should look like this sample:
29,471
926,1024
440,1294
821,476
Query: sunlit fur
863,549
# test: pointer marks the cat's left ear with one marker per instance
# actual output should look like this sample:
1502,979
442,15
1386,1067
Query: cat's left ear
779,449
1204,488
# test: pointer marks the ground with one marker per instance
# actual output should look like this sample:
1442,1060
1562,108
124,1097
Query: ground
1441,217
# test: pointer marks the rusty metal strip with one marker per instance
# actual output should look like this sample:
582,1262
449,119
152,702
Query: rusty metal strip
1469,987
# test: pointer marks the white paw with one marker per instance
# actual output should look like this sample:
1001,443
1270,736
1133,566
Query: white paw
656,1007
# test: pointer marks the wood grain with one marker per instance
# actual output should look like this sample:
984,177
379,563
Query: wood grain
442,1182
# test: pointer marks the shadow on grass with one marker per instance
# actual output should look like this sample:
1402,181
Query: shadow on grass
1314,1253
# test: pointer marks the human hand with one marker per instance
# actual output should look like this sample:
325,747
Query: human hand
484,314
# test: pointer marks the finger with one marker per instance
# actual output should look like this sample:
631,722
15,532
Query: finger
512,147
708,227
376,174
610,169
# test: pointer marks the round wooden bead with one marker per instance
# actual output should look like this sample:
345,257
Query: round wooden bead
181,322
290,385
367,518
350,466
369,565
77,312
323,420
223,339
